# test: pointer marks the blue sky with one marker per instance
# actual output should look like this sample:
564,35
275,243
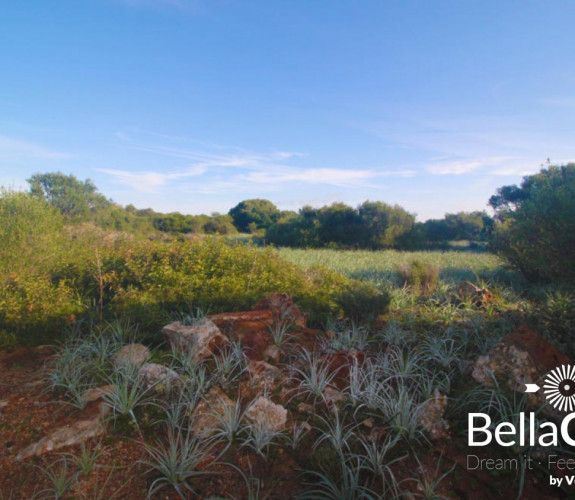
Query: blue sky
195,105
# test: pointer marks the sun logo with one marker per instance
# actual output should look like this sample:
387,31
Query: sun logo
559,388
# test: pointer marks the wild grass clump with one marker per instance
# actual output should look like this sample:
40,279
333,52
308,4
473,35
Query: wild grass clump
419,276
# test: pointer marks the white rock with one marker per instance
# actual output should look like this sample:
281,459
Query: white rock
205,417
69,435
199,340
263,412
135,354
152,374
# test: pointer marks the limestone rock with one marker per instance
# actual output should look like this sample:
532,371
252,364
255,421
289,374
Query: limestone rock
69,435
134,354
332,396
522,357
263,376
431,417
204,418
200,340
267,414
154,375
272,353
95,394
283,309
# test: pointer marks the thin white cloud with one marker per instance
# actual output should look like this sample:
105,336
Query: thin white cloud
150,181
454,167
218,169
467,166
332,176
16,150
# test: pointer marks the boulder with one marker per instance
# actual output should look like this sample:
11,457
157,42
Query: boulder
204,418
263,376
332,396
522,357
283,308
68,435
92,395
134,354
272,353
431,417
199,340
154,375
267,414
252,330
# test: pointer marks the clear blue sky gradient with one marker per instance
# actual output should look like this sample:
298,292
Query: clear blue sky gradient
195,105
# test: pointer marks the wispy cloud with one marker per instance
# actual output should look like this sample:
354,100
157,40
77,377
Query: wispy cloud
489,146
215,168
150,181
16,150
503,165
331,176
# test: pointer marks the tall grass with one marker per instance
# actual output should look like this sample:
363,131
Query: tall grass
380,267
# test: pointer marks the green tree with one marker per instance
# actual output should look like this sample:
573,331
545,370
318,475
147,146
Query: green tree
253,215
28,227
339,224
384,225
72,197
535,228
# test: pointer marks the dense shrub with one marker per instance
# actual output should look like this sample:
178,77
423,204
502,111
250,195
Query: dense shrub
536,224
55,274
422,277
362,302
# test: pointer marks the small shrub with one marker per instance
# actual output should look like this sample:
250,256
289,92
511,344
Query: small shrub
420,276
362,302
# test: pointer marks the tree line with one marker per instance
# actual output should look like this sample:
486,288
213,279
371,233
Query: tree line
533,225
372,225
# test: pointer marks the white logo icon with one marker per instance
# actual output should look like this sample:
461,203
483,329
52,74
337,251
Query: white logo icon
560,388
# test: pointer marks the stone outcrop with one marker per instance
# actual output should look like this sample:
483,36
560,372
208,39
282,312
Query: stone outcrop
283,308
92,395
134,354
267,414
522,357
157,376
263,376
205,416
431,417
199,340
68,435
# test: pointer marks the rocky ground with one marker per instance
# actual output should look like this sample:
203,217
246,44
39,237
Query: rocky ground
45,442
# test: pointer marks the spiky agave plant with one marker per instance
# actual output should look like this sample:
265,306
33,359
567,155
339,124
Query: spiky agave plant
177,461
313,375
347,484
128,394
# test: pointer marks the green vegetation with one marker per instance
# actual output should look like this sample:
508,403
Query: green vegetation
536,230
381,268
67,269
250,216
